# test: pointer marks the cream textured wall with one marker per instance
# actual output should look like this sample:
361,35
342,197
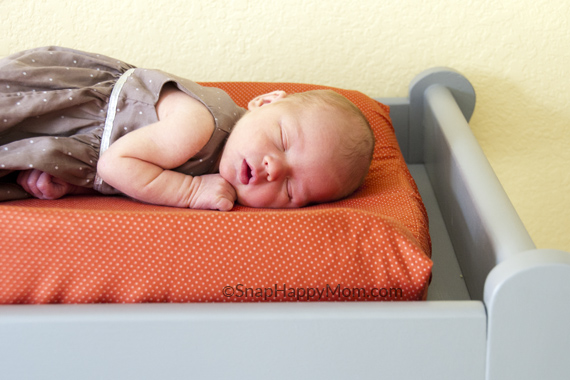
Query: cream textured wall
515,52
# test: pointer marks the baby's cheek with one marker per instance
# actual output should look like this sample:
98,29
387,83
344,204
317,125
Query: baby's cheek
246,197
258,196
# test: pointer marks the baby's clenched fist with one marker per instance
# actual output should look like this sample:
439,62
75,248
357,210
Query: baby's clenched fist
212,192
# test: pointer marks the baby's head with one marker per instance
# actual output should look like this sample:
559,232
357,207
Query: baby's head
299,149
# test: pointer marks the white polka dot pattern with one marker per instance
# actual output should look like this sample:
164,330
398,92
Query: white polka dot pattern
112,249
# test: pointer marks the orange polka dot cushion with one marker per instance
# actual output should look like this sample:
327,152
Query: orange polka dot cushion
372,246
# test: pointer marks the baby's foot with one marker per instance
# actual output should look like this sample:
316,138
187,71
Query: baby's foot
43,185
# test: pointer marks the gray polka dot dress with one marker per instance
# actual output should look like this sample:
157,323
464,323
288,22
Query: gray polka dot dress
61,108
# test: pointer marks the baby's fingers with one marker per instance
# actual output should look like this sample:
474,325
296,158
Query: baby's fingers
225,204
225,201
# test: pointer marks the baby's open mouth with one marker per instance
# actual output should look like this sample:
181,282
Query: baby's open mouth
245,173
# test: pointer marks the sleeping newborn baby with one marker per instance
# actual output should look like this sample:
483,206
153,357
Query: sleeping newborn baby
294,150
76,123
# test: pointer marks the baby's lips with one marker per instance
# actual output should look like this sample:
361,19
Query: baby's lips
245,173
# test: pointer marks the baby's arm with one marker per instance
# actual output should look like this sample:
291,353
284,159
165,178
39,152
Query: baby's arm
138,164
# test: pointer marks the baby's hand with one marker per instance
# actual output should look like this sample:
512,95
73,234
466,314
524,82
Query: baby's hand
43,185
213,192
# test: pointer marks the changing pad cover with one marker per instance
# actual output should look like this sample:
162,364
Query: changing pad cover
372,246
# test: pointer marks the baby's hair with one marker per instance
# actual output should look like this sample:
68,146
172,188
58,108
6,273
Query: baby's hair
358,145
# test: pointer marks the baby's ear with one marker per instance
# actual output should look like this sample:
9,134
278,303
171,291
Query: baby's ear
264,99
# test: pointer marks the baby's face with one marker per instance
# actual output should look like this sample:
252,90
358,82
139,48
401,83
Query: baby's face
282,155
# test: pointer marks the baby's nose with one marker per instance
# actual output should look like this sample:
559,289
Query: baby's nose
274,168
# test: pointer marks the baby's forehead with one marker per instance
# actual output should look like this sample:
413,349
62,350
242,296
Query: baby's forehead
323,115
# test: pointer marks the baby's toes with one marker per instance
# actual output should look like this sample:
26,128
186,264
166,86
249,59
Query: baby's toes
48,188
